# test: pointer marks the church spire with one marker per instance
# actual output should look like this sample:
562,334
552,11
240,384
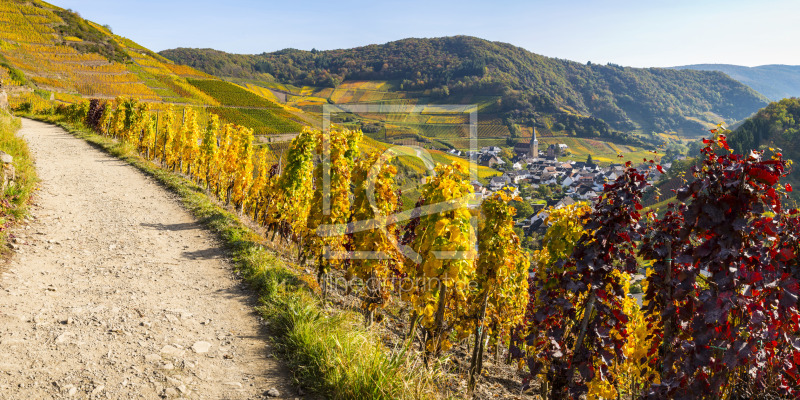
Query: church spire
534,152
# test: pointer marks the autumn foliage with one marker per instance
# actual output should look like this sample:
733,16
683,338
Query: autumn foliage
719,319
720,313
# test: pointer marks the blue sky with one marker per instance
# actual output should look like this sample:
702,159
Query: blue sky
644,33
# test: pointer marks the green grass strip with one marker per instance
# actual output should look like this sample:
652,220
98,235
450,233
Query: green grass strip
16,197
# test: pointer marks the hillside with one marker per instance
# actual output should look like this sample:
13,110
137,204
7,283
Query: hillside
55,53
516,86
773,81
776,126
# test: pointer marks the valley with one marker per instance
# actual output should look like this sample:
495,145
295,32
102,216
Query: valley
431,216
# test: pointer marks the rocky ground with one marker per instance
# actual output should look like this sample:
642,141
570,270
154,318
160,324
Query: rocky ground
116,292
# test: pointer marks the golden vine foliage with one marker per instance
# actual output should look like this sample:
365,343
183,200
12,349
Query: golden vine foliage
502,267
254,195
167,137
139,120
179,142
295,185
209,153
148,142
628,373
375,173
343,152
243,175
228,153
451,260
118,119
565,228
107,118
445,241
191,145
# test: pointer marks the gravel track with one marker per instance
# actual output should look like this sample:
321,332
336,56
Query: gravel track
116,292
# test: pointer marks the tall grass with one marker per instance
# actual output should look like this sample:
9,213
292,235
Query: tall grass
331,352
15,197
328,351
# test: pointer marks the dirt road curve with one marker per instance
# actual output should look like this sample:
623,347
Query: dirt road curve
116,293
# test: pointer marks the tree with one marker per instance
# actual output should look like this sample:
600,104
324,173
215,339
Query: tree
506,154
589,160
694,148
543,192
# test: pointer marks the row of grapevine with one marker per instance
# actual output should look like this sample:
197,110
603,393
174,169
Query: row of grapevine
732,331
229,94
721,318
289,200
65,68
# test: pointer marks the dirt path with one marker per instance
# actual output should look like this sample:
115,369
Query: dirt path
116,292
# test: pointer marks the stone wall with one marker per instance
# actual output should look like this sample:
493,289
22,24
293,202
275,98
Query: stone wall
9,174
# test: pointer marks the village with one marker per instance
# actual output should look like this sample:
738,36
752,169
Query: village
543,181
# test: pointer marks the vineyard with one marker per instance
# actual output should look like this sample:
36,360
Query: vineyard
431,128
430,125
229,94
247,108
29,44
44,47
720,318
453,304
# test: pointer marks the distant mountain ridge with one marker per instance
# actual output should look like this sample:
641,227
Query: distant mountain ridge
552,94
774,81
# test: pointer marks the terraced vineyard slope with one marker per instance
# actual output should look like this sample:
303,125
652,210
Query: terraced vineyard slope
54,53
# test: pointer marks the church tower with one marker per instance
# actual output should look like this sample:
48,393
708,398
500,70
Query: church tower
534,154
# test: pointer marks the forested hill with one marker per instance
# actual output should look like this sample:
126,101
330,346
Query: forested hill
776,126
529,86
774,81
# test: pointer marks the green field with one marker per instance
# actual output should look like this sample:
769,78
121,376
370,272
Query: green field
602,152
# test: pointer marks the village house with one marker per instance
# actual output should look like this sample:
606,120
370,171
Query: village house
498,182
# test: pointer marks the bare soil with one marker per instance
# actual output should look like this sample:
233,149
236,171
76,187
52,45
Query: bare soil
116,292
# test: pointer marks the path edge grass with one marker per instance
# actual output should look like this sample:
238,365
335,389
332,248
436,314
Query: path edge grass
328,351
16,198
